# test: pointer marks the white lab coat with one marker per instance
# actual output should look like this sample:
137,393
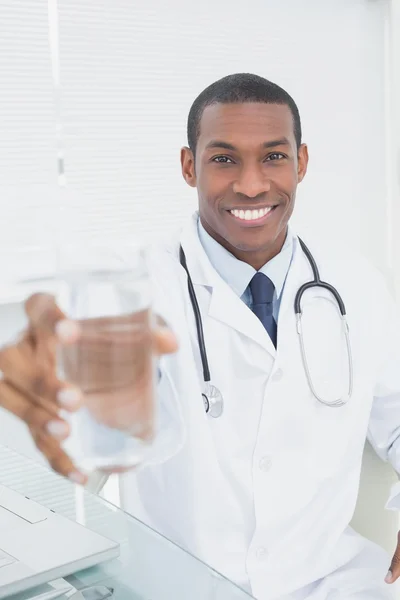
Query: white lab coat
265,493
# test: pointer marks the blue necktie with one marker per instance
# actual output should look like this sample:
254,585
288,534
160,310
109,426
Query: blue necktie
262,290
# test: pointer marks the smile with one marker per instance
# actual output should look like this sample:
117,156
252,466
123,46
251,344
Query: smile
252,216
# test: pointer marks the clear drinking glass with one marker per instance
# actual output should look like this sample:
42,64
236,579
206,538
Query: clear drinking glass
106,290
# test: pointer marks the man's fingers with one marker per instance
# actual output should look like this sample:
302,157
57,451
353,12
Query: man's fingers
43,312
47,319
35,416
23,372
56,457
26,409
394,571
22,369
164,341
47,430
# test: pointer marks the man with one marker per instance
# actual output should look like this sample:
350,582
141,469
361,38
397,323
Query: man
264,493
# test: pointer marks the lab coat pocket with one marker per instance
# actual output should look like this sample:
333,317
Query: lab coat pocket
332,440
340,433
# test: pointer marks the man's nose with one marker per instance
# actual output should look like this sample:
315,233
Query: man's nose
252,182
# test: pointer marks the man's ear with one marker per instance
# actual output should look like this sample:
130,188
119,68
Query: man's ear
302,162
188,167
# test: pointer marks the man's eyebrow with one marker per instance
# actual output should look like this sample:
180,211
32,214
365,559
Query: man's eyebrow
226,146
274,143
221,144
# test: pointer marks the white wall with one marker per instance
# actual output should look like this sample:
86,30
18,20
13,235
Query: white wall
329,55
129,72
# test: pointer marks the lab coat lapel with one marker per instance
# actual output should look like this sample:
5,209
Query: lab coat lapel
224,306
228,308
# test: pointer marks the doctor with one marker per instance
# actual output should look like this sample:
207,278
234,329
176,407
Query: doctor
265,492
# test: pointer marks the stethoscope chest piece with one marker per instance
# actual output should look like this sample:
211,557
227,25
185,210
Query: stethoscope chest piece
213,401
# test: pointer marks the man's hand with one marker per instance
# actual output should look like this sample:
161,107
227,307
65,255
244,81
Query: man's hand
30,388
394,571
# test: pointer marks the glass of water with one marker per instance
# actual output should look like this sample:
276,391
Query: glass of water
106,290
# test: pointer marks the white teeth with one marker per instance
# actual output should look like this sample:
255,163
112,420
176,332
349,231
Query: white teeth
251,215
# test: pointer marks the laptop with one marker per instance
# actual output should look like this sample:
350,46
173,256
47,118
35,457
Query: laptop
37,545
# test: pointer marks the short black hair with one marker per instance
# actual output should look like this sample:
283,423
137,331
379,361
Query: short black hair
238,88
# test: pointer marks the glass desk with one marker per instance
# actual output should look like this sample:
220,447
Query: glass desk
150,567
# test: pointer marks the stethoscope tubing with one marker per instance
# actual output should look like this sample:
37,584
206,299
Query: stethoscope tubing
316,282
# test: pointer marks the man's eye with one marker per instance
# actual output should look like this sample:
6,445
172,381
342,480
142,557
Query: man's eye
222,160
275,156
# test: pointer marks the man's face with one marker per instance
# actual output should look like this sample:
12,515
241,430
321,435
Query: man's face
246,170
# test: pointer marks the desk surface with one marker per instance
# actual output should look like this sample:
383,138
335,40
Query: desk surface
150,567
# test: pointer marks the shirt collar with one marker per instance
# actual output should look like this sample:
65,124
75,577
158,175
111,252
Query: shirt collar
238,274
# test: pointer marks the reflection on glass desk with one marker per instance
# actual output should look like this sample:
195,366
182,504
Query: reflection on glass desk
150,567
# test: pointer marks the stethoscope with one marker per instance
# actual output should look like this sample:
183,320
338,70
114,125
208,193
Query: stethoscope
212,397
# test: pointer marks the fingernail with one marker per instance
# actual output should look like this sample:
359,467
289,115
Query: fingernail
77,477
67,331
69,397
57,429
389,577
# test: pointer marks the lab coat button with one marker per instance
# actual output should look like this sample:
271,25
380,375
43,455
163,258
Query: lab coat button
261,553
265,463
277,376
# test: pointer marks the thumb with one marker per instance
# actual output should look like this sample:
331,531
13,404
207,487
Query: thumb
394,570
164,341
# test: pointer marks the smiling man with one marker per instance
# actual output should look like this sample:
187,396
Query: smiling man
246,160
265,492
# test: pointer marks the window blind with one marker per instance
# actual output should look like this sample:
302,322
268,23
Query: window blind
28,167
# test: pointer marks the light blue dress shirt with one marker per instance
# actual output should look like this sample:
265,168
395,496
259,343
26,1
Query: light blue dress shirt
238,274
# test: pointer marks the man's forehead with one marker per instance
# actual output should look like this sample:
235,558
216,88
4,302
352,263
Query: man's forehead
245,119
